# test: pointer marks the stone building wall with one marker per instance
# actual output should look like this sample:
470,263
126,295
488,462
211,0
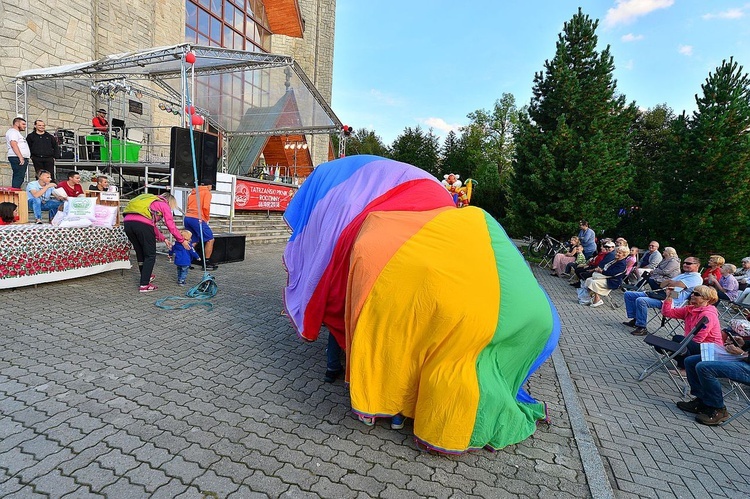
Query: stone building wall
314,53
61,32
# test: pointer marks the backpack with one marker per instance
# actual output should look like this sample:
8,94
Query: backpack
141,205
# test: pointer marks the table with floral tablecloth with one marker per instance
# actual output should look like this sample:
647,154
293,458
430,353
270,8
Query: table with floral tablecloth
34,254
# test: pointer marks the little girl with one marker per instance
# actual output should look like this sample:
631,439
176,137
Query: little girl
183,257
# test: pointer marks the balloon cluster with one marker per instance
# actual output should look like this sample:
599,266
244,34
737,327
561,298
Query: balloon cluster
195,119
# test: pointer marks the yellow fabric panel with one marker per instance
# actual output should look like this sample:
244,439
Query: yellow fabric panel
380,237
423,323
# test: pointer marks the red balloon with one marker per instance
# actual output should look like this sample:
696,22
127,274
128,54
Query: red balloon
190,109
197,120
190,58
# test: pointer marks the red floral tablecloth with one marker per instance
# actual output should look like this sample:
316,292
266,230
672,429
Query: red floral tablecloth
33,254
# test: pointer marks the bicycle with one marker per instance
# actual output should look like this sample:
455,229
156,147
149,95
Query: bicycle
547,248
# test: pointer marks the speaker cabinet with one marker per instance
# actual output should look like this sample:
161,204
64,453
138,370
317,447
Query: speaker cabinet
228,248
181,156
210,157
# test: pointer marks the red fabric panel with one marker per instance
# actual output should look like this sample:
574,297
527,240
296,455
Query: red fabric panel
327,304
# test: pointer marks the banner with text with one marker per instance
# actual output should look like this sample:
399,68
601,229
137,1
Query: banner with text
259,196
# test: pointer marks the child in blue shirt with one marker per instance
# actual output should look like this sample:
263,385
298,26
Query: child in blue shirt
183,257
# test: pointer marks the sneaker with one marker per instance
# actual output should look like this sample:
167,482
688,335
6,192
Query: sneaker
39,221
595,304
211,266
147,288
584,302
714,418
151,279
332,376
181,283
630,323
368,421
397,422
695,406
639,331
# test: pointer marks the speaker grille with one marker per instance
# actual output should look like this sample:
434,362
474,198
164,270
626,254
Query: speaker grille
181,157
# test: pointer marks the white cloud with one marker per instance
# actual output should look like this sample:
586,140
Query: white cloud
440,124
735,13
627,11
630,37
685,50
629,65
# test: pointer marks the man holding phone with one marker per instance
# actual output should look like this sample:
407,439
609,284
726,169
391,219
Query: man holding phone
637,303
703,377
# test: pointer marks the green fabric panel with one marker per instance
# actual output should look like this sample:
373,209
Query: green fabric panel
525,323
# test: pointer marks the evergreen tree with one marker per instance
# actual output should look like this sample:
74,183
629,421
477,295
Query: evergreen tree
418,148
652,141
707,188
571,147
365,141
453,157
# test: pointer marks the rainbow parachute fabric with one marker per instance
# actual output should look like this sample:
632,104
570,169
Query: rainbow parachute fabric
440,317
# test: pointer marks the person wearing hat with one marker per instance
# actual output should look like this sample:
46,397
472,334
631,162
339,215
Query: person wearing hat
100,122
604,256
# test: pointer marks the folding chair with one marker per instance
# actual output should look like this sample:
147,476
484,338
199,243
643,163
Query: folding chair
549,256
736,389
736,308
666,360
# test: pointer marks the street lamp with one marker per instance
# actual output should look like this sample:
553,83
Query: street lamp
295,146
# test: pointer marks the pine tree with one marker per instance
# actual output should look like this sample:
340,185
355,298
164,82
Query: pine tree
571,147
417,148
709,190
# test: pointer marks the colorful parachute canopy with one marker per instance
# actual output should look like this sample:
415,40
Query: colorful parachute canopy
325,216
441,319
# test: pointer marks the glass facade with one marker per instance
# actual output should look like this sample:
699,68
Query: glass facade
232,24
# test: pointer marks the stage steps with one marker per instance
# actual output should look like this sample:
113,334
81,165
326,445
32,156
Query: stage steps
258,227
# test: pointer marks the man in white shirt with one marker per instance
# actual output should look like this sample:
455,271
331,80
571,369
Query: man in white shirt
18,151
637,303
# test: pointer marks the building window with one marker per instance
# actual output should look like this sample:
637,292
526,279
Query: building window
233,24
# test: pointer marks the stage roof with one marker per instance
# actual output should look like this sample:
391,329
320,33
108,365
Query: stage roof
274,75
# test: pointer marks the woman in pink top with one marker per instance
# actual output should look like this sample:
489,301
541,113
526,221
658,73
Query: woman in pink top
701,304
141,215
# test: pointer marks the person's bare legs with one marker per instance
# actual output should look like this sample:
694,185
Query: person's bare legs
209,249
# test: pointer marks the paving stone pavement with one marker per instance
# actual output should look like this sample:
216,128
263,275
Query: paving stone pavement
102,394
648,446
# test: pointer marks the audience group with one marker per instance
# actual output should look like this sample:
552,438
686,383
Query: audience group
680,289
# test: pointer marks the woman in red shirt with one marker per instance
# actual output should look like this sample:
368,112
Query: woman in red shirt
714,268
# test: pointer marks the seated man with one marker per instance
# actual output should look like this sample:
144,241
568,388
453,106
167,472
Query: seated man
40,196
703,377
72,186
649,260
637,303
101,185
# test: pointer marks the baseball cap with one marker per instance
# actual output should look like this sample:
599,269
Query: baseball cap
102,111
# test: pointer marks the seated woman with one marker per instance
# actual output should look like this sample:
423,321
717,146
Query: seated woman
700,305
727,287
713,267
602,283
668,268
563,259
7,213
631,260
605,255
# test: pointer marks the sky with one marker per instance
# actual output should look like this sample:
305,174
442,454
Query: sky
405,63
